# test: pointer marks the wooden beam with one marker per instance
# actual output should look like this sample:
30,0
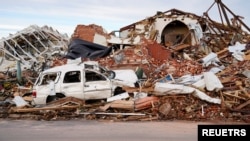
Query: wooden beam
242,105
228,94
24,110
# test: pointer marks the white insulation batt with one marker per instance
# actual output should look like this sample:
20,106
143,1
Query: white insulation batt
125,78
237,51
167,88
172,88
19,101
212,81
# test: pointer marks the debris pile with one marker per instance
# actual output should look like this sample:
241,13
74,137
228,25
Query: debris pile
34,47
189,67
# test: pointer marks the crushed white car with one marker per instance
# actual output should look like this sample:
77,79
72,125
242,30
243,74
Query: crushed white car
81,80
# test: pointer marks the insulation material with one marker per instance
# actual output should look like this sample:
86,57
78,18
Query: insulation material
125,77
19,101
212,81
166,88
211,58
207,98
193,50
237,51
118,97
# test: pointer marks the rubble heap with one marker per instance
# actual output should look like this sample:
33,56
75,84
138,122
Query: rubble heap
189,67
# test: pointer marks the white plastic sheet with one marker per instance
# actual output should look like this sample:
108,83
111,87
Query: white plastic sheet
166,88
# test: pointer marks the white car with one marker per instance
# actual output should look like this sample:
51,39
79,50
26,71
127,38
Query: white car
84,81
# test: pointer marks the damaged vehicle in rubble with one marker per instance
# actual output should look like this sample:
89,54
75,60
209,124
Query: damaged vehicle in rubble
86,80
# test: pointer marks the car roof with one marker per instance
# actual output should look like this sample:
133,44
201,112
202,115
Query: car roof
67,67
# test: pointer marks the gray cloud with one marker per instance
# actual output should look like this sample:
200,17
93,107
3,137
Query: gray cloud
64,15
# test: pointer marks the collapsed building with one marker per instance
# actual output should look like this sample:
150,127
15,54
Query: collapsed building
32,47
177,48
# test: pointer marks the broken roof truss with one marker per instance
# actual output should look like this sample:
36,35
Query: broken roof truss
33,44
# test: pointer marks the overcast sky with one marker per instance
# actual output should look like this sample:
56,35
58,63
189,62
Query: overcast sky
65,15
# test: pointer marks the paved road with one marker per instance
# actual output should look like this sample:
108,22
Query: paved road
85,130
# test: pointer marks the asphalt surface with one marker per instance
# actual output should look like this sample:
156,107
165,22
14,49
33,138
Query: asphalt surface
85,130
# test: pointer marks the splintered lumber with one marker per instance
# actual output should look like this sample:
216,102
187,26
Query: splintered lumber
66,100
27,98
242,105
145,103
235,96
239,84
221,52
24,110
123,104
105,107
247,57
180,47
227,79
60,104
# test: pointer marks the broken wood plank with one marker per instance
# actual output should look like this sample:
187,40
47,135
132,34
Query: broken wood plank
24,110
239,84
242,105
123,104
228,94
145,103
146,99
247,57
221,52
66,100
180,47
105,107
232,102
28,98
227,79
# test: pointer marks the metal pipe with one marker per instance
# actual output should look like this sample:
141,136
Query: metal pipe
19,72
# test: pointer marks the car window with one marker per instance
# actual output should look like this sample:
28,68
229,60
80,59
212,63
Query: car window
72,77
93,76
49,77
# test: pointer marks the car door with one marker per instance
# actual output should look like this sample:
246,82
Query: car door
42,87
96,85
72,84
